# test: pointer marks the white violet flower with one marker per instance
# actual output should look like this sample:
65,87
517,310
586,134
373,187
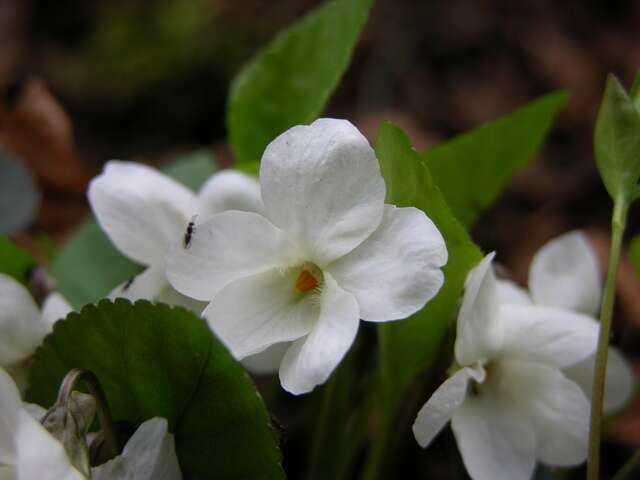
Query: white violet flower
145,213
23,326
512,400
326,253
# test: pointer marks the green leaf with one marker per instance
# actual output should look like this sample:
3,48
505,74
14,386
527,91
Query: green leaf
19,195
472,168
14,261
154,360
617,142
291,79
635,92
409,346
88,266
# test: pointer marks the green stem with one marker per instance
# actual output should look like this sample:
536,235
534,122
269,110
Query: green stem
629,467
374,465
618,223
322,429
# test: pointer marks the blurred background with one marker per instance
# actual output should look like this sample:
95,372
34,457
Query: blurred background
84,82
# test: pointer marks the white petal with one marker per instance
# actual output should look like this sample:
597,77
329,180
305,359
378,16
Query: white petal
19,372
310,360
268,361
479,333
322,184
619,383
229,190
39,455
395,271
438,410
510,293
557,407
255,312
36,411
565,274
496,441
143,211
148,455
10,406
21,330
144,286
54,308
549,335
227,247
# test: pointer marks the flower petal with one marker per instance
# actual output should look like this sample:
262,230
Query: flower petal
479,333
511,293
144,286
143,211
21,330
149,454
228,246
549,335
54,308
557,407
438,410
619,382
310,360
255,312
322,184
565,274
496,441
268,361
10,405
395,271
229,190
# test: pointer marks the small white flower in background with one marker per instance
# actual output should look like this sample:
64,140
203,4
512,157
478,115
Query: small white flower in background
326,253
28,451
145,213
23,325
514,401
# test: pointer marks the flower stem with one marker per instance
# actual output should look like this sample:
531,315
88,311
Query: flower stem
67,387
625,472
618,223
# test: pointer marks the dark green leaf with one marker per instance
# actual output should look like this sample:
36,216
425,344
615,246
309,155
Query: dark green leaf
471,169
635,92
14,261
88,266
19,196
154,360
408,346
617,142
290,80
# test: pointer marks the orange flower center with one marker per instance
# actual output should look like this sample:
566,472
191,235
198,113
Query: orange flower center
306,282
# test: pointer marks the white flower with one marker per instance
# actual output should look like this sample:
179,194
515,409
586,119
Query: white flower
148,455
145,213
512,401
27,450
564,273
23,326
327,253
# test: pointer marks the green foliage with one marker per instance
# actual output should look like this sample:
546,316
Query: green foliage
634,254
14,261
154,360
471,169
88,266
617,142
290,80
19,196
407,347
635,92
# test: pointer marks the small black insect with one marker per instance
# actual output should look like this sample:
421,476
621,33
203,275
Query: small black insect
191,230
127,285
